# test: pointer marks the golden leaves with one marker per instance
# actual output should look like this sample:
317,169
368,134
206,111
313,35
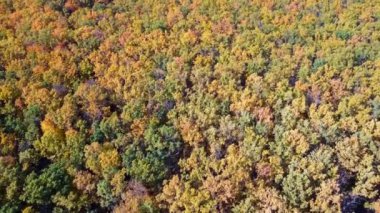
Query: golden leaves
132,199
350,152
138,127
327,198
109,159
85,181
190,133
100,158
297,141
8,144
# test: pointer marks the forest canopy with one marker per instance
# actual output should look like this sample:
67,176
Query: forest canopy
189,106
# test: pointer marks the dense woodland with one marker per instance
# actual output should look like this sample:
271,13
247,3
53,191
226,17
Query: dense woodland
189,106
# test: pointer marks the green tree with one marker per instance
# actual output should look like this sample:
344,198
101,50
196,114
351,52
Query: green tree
153,162
40,188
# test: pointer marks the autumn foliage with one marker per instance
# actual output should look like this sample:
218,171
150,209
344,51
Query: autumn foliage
189,106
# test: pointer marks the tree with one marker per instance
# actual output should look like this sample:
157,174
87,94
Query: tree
153,162
52,141
11,179
39,188
297,188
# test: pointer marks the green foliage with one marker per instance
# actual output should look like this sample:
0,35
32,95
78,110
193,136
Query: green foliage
105,193
39,188
32,117
319,62
151,164
343,34
297,188
376,107
10,186
98,135
149,169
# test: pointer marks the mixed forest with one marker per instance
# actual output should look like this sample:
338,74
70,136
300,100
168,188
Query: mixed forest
189,106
